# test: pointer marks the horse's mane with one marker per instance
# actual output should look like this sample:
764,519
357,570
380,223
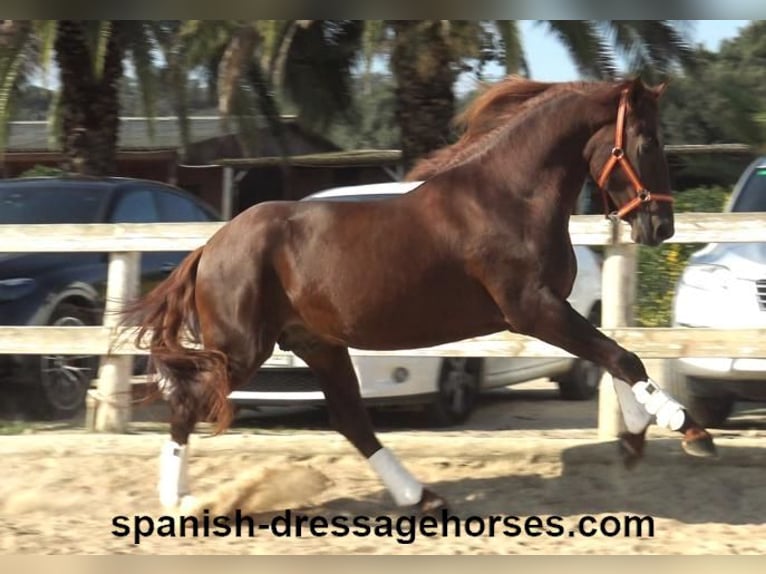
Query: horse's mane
488,114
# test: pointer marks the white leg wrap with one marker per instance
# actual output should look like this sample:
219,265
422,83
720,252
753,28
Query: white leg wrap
633,413
670,414
404,487
174,477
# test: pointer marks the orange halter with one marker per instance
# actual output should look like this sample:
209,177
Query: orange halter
618,157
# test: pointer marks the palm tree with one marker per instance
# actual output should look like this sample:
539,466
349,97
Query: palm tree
258,68
90,57
247,64
428,55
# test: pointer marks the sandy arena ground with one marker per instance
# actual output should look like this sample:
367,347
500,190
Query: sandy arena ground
520,455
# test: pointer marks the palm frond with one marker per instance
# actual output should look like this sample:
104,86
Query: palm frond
276,55
318,69
54,119
373,41
239,51
591,53
628,43
271,33
666,45
45,32
169,39
98,35
139,44
13,51
513,50
266,104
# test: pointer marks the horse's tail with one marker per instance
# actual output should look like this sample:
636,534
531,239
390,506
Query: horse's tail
166,318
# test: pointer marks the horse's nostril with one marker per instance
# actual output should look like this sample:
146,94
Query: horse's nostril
664,231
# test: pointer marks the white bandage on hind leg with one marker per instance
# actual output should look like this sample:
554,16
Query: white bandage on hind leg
670,414
633,413
174,474
404,487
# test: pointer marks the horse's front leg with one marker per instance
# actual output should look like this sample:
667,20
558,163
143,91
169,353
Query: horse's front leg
541,314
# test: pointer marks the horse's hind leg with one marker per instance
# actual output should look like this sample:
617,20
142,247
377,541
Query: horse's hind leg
332,366
187,393
174,464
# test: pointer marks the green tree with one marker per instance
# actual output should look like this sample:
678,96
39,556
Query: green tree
244,65
723,101
428,55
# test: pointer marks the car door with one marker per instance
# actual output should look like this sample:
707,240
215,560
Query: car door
176,207
138,205
586,291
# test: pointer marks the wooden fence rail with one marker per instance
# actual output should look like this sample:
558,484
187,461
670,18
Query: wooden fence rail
125,242
145,237
649,343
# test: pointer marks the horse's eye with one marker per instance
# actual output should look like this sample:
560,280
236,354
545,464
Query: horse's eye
648,142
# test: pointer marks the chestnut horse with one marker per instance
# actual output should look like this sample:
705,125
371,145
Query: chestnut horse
480,247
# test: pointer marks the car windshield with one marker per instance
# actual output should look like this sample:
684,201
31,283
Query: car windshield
753,195
25,204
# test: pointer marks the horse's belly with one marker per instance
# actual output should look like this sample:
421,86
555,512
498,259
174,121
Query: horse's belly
418,318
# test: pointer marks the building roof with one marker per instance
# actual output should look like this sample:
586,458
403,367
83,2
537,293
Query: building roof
351,158
210,138
135,133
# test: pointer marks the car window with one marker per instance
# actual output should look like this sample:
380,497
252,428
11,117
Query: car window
753,194
135,206
27,204
177,208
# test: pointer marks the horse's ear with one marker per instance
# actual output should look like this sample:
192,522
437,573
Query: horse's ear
635,87
658,90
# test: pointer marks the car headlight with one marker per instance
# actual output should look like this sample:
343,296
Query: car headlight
16,288
708,277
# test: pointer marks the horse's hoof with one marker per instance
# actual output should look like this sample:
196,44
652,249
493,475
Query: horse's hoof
631,450
431,504
702,446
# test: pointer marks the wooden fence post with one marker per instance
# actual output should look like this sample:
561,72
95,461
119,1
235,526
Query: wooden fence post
111,401
227,191
617,296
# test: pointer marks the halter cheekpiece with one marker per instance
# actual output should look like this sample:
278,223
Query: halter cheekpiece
618,157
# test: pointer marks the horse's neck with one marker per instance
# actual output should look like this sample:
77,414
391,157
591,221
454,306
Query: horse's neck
560,161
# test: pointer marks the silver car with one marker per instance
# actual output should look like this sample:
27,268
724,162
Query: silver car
723,286
446,386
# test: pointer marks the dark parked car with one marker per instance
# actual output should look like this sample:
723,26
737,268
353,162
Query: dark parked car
68,288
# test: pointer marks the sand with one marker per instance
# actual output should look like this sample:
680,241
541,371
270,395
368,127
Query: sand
60,492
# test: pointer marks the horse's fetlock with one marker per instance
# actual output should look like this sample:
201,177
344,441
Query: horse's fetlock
630,367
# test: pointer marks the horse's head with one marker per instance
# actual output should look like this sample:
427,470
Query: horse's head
628,163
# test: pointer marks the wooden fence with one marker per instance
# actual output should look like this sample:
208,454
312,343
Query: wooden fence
125,242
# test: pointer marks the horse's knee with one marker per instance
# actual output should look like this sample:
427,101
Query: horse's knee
628,367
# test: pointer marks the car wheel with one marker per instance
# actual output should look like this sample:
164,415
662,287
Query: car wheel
708,410
457,393
64,379
581,382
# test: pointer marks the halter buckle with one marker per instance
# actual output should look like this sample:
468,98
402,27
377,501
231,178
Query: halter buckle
618,152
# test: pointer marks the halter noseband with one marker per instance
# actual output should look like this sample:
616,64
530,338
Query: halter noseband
618,157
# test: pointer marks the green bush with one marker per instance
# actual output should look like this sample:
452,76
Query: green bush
660,267
43,171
